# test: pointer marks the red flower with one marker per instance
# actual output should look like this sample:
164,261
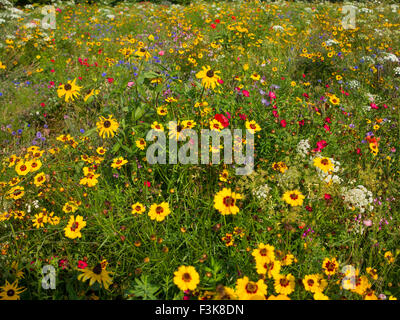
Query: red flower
327,196
222,119
147,184
242,116
301,123
82,264
246,93
217,21
110,80
283,123
213,25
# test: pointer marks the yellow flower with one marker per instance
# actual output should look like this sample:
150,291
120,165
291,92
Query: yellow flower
225,201
11,291
39,220
389,257
279,297
334,100
314,283
224,175
330,266
16,193
118,162
323,163
294,198
141,143
264,252
209,78
186,278
22,168
157,126
284,284
320,296
249,290
138,208
97,274
74,227
70,90
373,273
271,268
107,126
252,126
158,212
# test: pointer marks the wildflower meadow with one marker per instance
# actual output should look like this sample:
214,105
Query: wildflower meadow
199,150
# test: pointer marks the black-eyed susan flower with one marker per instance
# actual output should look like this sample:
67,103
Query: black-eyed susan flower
209,78
250,290
101,150
97,274
224,175
11,291
293,197
138,208
225,201
186,278
39,220
70,90
74,227
107,126
158,212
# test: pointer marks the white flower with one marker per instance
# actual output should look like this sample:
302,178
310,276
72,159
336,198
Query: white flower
358,197
303,147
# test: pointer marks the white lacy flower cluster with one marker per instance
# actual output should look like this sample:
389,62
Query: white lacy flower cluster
278,28
303,147
358,197
354,84
262,191
35,204
386,56
397,71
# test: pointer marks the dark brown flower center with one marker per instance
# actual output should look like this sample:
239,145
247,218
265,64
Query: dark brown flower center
210,73
186,277
179,128
107,124
310,282
10,293
325,162
67,87
97,269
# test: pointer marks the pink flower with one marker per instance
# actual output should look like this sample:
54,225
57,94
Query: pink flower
327,128
367,223
82,264
320,145
246,93
374,106
161,53
220,81
228,115
130,83
275,113
147,184
283,123
272,95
